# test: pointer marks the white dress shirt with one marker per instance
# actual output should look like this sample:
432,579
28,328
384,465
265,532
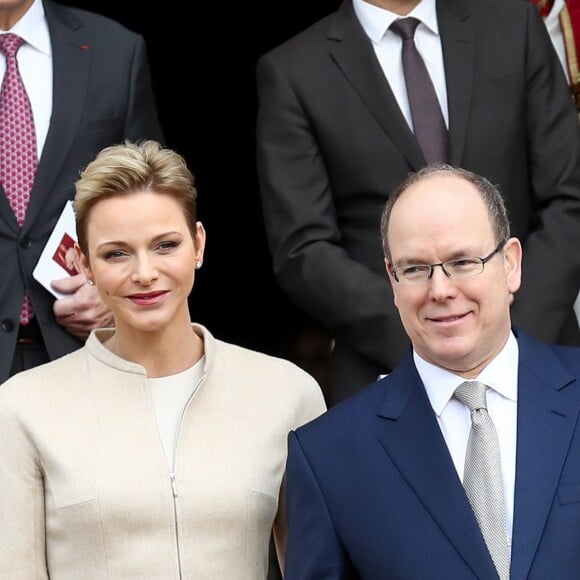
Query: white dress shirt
552,22
35,64
454,418
388,46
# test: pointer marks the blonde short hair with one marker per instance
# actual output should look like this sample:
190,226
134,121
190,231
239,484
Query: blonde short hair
129,168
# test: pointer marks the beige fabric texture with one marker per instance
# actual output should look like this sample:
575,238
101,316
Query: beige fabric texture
85,490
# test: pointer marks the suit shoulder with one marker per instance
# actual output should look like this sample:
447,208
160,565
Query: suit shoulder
303,44
75,18
347,415
569,356
503,13
494,7
548,360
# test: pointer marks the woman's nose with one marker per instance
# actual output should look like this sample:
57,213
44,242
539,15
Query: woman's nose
145,271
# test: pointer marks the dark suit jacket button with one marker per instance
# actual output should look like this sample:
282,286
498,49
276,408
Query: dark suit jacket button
25,242
7,325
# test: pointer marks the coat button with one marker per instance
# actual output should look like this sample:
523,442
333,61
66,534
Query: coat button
7,325
25,242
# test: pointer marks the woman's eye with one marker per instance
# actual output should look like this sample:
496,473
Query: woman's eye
114,255
166,246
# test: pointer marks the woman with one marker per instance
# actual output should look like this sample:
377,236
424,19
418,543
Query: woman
155,451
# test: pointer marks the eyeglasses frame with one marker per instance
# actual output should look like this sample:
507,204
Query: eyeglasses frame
432,267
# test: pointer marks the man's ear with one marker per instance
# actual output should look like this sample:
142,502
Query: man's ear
512,253
389,268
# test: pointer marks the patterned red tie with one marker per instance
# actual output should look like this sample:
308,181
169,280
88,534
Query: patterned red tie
18,154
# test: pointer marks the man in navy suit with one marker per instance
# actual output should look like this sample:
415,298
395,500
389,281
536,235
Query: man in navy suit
374,486
89,86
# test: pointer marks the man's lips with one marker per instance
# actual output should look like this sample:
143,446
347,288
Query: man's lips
448,318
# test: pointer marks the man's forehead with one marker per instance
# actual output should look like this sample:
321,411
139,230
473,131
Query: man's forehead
444,209
437,183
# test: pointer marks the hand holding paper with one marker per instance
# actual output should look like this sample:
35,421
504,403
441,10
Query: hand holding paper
58,257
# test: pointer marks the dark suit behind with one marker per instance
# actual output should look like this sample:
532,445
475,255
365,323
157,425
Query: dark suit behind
333,144
102,94
372,491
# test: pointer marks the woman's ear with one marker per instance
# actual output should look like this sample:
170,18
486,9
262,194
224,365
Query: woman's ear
83,263
200,237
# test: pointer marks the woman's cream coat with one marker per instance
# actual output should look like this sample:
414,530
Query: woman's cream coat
85,491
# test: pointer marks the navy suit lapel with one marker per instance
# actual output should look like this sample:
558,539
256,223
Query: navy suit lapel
71,53
352,51
548,406
457,31
412,438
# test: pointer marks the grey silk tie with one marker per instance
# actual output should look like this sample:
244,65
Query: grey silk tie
428,124
482,478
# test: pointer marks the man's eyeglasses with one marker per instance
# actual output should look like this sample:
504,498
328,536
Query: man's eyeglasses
458,268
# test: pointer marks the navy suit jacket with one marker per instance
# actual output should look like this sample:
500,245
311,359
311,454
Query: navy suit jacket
372,492
102,94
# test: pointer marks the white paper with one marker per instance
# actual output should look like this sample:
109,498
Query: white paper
54,263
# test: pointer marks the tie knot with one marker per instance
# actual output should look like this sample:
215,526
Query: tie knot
472,395
405,27
10,43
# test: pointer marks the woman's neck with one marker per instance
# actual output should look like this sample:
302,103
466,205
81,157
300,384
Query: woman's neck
161,353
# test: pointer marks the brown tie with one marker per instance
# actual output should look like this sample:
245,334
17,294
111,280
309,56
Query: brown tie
18,154
428,123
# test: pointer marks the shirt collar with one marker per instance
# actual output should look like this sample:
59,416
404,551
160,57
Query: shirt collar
32,27
376,21
501,374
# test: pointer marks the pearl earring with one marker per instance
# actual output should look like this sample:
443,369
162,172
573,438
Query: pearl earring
90,282
198,264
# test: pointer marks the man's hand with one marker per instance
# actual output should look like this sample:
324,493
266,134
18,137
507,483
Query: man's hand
81,309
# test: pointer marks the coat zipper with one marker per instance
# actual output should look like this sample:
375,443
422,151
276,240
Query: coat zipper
172,478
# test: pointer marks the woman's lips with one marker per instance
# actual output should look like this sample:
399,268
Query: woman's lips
146,299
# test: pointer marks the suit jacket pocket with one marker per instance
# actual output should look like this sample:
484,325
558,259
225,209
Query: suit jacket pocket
569,493
498,86
101,127
72,491
75,533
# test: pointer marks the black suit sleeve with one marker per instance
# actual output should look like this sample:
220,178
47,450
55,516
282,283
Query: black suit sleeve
551,263
310,260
